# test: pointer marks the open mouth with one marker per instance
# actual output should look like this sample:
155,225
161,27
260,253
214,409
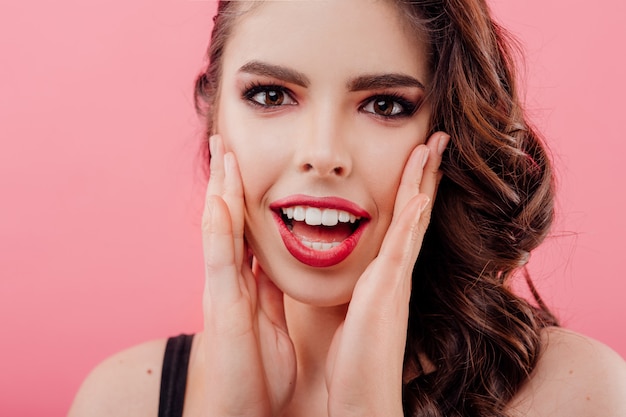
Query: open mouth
320,229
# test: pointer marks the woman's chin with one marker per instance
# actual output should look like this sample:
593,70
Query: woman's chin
319,300
318,287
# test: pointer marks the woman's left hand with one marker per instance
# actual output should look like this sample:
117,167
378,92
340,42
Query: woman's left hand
365,360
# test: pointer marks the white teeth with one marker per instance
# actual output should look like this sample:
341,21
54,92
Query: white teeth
314,216
330,217
299,213
321,246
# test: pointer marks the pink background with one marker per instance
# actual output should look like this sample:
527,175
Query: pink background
101,188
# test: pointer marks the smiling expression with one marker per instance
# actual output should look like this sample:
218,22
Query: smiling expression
321,102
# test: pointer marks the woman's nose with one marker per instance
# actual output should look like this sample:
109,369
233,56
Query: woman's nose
323,146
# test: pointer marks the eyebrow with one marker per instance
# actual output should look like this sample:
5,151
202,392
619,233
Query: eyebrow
380,81
276,71
360,83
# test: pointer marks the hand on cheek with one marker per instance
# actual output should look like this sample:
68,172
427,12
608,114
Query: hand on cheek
367,352
249,360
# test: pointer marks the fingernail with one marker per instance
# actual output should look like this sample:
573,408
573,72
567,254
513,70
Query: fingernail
424,204
443,142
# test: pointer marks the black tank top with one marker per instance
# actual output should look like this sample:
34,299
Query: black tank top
174,376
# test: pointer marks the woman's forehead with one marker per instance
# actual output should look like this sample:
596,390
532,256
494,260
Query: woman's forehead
328,35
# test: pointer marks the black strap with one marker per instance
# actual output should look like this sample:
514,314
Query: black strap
174,376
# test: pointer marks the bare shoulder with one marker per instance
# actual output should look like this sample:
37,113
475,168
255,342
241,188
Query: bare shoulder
125,384
576,376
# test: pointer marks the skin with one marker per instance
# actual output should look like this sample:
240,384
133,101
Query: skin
325,140
284,338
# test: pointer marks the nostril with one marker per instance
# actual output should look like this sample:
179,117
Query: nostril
324,171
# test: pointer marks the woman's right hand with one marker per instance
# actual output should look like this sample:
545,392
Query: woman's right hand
250,362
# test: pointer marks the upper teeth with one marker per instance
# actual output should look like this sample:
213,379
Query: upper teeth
314,216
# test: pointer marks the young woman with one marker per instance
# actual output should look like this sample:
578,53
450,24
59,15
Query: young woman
373,188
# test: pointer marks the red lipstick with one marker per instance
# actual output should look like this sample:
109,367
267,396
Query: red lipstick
301,249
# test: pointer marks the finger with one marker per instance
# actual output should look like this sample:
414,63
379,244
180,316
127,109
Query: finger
384,289
233,196
403,240
270,297
216,166
432,175
411,178
421,172
380,306
221,272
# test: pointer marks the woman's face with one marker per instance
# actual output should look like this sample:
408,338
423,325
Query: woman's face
321,102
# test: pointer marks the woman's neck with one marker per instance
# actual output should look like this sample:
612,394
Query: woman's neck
312,329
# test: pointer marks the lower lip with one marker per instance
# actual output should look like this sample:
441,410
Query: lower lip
318,258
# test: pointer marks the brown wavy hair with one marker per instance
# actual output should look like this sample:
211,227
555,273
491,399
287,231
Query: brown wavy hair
494,206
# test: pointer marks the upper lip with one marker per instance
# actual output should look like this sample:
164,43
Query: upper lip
332,202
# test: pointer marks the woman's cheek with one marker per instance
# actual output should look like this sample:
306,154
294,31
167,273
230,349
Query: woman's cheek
391,162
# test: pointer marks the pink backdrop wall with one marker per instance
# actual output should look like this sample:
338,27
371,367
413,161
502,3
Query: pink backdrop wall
100,186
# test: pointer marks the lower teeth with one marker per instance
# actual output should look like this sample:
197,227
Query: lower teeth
320,245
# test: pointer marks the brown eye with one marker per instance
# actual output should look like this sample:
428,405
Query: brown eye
269,96
273,98
384,107
389,106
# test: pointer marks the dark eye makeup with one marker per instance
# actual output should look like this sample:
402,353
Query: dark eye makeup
268,95
385,105
389,106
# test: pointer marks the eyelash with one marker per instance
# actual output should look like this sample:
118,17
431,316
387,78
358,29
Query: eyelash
255,88
408,108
